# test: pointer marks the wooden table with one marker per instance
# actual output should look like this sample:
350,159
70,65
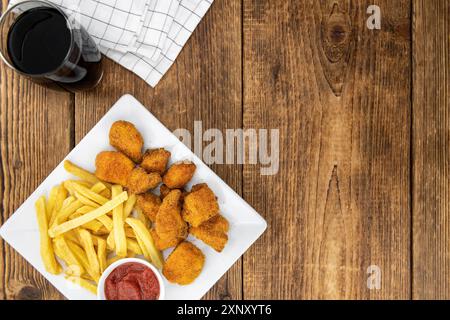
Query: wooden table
364,175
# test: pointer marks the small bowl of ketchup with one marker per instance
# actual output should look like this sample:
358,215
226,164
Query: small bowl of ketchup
131,279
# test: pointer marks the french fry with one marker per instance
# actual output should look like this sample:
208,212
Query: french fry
85,183
72,224
79,254
90,194
67,201
98,187
145,240
83,283
65,212
132,244
101,254
63,251
86,201
129,233
97,239
88,246
68,185
61,195
93,225
107,222
102,232
73,270
46,245
118,225
73,237
82,173
110,243
71,205
112,260
84,209
142,217
102,225
106,193
129,205
144,249
87,277
51,202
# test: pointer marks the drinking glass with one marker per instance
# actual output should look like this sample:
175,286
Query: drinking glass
81,67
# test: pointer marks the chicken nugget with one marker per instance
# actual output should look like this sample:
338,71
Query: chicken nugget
155,160
124,136
149,204
179,174
163,244
140,181
198,186
184,264
164,191
212,232
169,225
200,205
113,167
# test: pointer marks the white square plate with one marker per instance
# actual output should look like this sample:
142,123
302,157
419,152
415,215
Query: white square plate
246,225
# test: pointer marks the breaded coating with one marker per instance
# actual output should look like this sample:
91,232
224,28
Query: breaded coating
169,225
124,136
184,264
212,232
140,181
149,204
113,167
163,191
155,160
200,205
163,244
198,186
179,174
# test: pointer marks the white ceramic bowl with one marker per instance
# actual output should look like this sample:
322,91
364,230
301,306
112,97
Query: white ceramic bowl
106,273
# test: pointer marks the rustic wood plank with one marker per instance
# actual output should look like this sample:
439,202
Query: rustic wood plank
431,194
204,84
340,95
35,126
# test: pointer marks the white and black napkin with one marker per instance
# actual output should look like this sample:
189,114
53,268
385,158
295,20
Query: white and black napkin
145,36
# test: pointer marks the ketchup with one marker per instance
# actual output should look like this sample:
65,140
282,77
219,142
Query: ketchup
132,281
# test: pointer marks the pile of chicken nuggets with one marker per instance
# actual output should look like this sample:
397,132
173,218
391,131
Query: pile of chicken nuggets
176,212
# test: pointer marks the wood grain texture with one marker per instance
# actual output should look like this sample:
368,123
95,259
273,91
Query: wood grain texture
204,84
431,192
343,98
340,95
35,136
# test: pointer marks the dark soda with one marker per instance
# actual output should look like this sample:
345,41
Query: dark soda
42,45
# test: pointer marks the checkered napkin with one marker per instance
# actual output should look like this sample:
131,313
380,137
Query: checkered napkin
145,36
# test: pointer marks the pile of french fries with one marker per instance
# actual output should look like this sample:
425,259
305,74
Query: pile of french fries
87,224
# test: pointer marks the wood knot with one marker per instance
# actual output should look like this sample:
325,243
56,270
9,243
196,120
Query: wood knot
17,164
336,43
336,33
29,293
224,296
